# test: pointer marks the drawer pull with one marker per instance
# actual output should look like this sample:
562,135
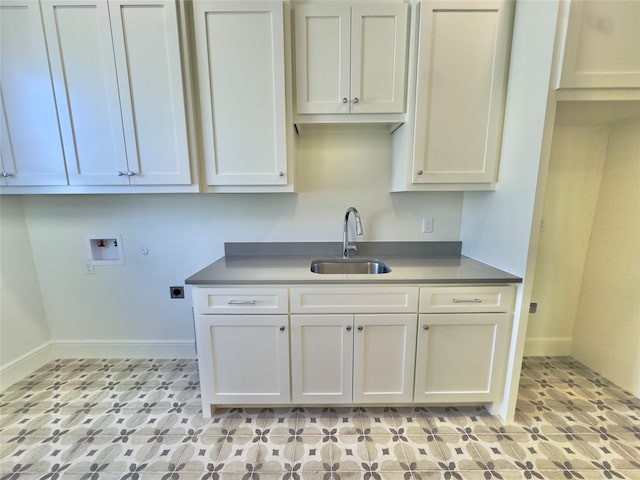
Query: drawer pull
348,328
425,327
462,300
282,328
360,328
241,302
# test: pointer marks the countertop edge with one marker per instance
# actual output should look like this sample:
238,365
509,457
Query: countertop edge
351,281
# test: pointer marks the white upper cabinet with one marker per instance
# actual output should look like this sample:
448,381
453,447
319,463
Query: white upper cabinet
350,58
118,80
146,44
461,88
240,51
84,73
602,45
30,145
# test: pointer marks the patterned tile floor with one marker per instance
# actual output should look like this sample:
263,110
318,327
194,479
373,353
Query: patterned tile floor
140,419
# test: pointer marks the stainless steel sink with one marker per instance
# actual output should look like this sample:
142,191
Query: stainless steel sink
349,266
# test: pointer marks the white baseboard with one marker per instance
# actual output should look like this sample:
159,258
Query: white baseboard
31,361
25,365
548,346
123,349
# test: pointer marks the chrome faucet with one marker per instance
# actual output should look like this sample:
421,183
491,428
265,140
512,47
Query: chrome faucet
348,247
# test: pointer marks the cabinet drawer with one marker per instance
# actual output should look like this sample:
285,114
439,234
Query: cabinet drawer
367,299
467,299
241,300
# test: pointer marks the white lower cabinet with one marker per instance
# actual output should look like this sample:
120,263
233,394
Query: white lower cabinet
352,358
243,359
242,336
321,358
383,358
460,357
463,340
352,344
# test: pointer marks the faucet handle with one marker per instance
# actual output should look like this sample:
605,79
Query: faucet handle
348,249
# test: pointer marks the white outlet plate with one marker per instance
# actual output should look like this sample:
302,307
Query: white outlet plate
427,225
89,268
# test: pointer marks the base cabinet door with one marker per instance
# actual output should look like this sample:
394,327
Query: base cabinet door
460,357
384,352
352,358
244,359
321,358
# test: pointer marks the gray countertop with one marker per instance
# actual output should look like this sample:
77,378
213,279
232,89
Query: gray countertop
289,263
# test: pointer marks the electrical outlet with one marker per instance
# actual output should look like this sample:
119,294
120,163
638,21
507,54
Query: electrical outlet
427,225
177,291
89,268
533,307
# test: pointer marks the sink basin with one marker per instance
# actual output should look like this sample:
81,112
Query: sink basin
349,266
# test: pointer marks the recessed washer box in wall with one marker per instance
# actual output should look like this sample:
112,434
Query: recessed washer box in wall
105,249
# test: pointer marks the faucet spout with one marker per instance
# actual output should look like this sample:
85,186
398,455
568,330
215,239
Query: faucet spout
347,246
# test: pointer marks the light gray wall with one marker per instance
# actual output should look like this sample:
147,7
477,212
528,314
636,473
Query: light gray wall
606,333
23,324
573,181
336,168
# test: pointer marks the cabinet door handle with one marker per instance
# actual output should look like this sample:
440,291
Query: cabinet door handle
348,328
241,302
356,99
121,174
345,100
360,328
131,173
425,327
281,173
282,328
463,300
7,174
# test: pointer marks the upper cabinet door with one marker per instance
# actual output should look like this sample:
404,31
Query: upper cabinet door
602,45
240,56
82,62
461,89
323,58
378,58
30,144
146,44
350,58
